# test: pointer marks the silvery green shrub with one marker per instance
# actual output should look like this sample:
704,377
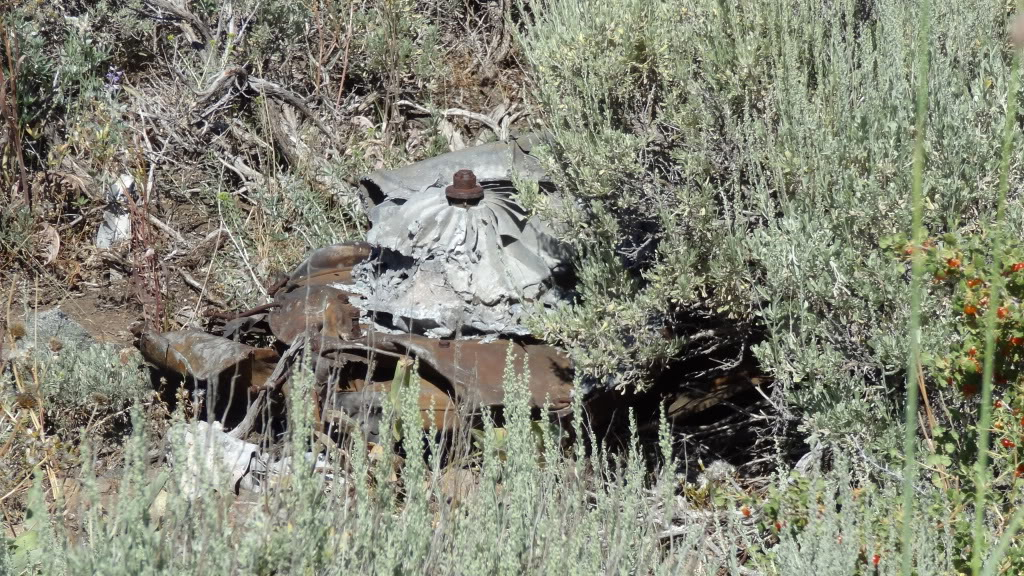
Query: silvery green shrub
743,160
533,509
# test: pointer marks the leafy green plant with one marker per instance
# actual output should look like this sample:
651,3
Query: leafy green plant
959,269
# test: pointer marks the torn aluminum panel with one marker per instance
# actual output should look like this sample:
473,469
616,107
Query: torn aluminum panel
490,162
471,371
459,258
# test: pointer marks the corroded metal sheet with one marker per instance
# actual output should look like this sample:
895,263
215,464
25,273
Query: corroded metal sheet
476,369
208,358
443,261
328,265
311,310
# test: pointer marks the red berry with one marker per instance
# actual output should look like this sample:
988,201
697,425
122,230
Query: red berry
1019,471
1007,443
999,404
876,559
973,282
745,511
972,352
1002,312
953,262
970,309
1018,266
1016,341
778,526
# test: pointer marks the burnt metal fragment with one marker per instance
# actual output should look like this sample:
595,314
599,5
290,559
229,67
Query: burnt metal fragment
441,281
465,258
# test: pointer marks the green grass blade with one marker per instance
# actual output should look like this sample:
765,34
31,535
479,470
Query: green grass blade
1004,543
916,283
995,297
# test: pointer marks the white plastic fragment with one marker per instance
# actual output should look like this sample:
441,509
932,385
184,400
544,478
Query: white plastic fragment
116,227
202,454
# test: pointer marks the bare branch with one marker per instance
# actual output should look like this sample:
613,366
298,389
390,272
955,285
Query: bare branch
487,121
166,229
195,285
182,13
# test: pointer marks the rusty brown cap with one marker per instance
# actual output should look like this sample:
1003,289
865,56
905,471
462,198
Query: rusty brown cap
464,187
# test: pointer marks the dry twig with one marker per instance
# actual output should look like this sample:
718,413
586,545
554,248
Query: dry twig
203,294
181,12
487,121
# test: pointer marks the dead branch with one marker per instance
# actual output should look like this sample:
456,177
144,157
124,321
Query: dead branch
237,76
502,45
275,91
221,84
282,138
195,285
487,121
244,172
181,13
9,112
251,415
160,225
273,382
348,42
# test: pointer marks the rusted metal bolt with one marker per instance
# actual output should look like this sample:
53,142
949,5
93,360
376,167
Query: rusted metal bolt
464,189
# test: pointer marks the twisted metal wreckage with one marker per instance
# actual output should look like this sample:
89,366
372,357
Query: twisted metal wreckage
444,277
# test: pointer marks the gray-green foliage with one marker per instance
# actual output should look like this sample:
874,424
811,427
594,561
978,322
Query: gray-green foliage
835,524
747,157
524,514
92,374
16,240
63,55
80,382
532,509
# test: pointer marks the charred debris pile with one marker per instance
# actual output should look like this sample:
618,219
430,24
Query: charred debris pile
449,269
